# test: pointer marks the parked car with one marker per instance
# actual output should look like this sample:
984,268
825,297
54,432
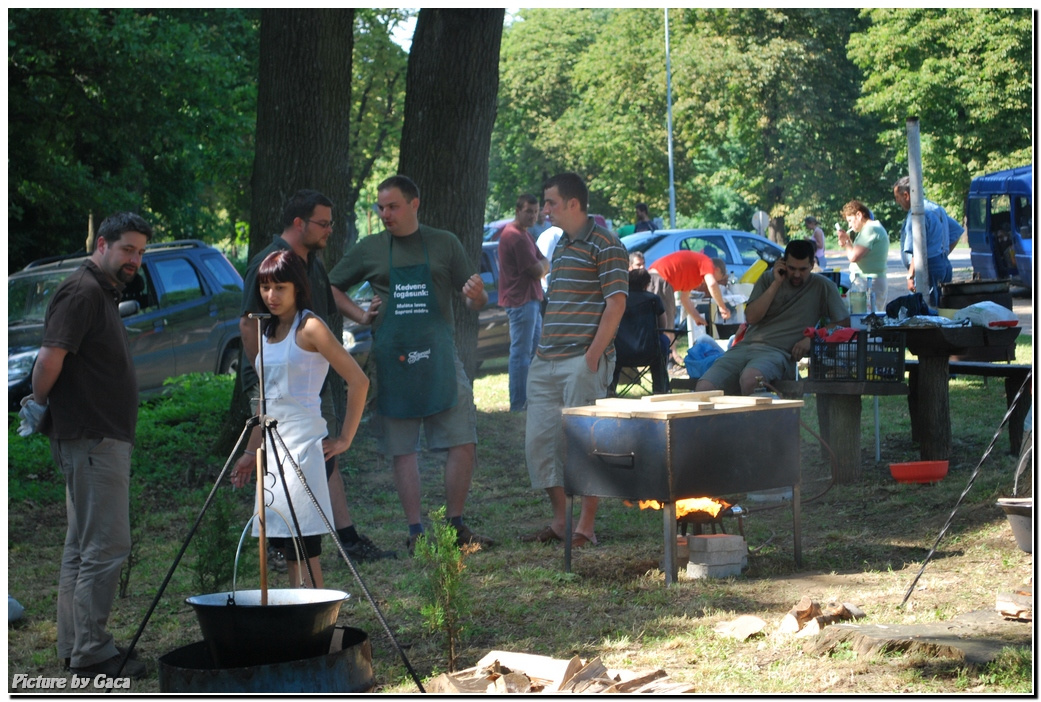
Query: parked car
1000,211
493,334
181,313
739,249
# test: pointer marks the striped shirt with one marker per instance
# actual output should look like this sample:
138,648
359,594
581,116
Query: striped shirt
587,268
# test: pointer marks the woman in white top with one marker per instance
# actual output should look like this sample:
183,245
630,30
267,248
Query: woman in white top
298,349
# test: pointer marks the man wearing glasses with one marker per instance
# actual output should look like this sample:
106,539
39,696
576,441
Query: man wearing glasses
307,221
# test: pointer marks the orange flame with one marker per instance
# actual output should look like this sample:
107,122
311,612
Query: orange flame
684,507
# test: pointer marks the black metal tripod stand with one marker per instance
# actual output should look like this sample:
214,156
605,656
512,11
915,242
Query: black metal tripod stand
270,429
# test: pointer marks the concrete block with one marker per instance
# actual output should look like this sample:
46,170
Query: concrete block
697,570
720,557
708,543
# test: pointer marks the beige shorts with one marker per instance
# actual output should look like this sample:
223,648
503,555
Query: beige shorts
552,386
454,426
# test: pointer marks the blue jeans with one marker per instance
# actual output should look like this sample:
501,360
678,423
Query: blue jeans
939,272
525,330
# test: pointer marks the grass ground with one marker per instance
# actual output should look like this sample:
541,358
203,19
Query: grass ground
862,543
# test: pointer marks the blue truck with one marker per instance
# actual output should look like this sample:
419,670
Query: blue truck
1000,215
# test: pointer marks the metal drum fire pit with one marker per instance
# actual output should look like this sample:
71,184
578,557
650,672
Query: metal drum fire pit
672,447
294,624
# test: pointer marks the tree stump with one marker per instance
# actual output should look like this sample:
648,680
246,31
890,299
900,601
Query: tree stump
839,417
934,432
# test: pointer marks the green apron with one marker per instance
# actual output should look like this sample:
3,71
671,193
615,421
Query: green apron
415,347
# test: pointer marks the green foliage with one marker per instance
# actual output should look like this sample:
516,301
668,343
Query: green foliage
165,450
172,447
121,109
377,110
793,111
966,73
214,544
443,589
1012,670
31,473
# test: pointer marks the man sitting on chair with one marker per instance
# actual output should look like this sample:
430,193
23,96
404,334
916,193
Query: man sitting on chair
783,303
639,340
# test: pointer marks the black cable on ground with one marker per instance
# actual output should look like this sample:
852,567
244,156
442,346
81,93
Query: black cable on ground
968,486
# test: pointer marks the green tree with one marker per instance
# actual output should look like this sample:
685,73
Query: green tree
377,110
447,131
302,136
966,73
146,110
766,111
618,128
529,143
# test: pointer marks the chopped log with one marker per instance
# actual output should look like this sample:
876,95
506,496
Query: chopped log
534,666
459,684
799,615
638,682
513,683
590,671
1015,605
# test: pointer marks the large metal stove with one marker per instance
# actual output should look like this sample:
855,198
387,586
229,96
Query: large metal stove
672,447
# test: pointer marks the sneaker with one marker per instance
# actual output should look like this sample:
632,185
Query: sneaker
464,536
364,550
411,543
276,560
133,668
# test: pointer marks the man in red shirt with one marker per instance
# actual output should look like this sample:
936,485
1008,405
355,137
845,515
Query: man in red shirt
686,271
521,268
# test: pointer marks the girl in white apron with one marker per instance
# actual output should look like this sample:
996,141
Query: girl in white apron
298,349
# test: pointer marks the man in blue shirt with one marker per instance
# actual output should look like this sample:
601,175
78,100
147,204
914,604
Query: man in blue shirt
941,235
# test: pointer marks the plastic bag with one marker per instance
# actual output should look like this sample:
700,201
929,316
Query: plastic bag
701,356
988,314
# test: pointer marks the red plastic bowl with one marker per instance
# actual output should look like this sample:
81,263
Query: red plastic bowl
919,471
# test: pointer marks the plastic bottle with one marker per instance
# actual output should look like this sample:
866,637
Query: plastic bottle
858,296
871,301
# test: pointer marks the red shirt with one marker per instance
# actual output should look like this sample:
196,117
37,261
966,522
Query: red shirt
517,254
684,270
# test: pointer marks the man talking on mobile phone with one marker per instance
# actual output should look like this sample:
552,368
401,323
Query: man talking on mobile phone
783,303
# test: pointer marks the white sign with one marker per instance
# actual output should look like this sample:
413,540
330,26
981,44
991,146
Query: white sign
760,221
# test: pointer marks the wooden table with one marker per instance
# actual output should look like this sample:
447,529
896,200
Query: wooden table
931,413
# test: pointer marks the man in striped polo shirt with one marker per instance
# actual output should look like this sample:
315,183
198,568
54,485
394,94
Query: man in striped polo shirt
573,366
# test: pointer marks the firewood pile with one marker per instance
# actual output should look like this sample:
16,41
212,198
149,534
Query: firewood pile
503,672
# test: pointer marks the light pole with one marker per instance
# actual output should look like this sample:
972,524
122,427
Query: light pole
668,122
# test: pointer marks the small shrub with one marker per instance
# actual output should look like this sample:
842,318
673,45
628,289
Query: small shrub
214,543
444,590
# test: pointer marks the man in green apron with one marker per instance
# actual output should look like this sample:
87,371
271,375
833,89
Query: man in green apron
574,364
420,382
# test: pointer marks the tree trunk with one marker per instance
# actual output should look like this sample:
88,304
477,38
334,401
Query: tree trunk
302,136
451,90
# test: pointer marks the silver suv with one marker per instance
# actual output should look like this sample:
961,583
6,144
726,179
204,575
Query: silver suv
181,312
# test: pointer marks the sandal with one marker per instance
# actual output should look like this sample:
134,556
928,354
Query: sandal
579,540
543,536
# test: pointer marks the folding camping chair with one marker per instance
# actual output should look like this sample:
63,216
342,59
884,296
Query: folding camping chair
640,357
